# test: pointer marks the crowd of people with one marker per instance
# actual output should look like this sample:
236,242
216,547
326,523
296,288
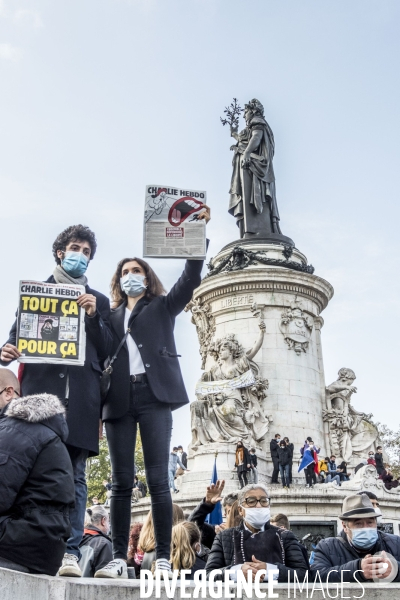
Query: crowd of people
49,426
360,551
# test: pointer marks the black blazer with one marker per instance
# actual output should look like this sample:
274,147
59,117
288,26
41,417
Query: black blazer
83,403
152,328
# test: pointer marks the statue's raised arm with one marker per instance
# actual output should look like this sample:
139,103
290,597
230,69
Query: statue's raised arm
259,342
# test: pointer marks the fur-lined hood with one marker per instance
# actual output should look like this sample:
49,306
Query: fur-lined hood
35,409
40,408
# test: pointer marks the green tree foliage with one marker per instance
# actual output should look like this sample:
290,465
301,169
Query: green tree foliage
98,469
391,444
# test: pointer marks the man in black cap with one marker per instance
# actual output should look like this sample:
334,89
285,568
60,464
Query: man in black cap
360,552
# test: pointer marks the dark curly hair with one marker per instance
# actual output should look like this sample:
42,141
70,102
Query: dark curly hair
72,234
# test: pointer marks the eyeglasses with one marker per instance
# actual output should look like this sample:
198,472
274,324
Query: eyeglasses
15,391
252,501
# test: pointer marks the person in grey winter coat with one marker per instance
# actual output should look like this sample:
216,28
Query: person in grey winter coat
353,555
95,536
36,480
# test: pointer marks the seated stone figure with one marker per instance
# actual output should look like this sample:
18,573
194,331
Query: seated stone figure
352,554
352,433
272,548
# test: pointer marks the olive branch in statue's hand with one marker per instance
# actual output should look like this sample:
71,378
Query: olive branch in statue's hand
232,114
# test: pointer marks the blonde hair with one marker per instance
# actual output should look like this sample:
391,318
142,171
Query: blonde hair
147,538
184,536
234,518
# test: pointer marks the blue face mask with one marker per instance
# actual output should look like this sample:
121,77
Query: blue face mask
75,263
365,537
133,285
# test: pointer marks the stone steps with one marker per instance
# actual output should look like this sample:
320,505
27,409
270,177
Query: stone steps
19,586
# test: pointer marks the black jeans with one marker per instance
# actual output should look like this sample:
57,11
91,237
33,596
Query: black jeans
275,472
284,471
242,475
155,425
311,478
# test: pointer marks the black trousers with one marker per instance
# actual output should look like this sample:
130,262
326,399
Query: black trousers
275,472
311,478
242,475
155,425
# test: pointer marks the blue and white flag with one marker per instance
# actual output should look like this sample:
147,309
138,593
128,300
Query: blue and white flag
215,517
308,458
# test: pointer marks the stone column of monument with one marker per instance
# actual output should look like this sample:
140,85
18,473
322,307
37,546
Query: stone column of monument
278,309
258,318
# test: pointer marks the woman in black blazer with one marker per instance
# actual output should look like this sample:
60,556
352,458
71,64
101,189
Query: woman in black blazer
146,386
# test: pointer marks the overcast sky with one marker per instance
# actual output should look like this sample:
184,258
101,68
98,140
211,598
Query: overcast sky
100,97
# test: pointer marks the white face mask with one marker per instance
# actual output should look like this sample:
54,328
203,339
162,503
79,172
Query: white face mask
257,517
133,285
379,517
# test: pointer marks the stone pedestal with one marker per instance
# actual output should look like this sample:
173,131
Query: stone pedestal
290,303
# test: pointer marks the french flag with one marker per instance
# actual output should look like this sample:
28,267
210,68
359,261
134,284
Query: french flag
215,517
309,456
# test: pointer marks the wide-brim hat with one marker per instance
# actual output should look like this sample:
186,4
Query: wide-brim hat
357,507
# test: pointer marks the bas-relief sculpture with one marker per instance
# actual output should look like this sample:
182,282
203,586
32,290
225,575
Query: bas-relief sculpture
240,258
204,321
234,413
352,434
296,327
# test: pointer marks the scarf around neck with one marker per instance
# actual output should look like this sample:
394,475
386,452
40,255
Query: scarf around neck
240,456
62,277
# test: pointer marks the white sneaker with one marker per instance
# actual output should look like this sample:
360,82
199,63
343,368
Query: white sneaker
69,566
163,564
116,569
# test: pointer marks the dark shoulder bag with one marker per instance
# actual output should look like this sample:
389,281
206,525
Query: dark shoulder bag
105,379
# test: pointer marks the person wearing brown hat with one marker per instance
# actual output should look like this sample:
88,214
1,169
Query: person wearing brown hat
353,555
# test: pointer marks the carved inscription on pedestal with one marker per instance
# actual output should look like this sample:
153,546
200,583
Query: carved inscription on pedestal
237,301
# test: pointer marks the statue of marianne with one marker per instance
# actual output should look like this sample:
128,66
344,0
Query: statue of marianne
252,192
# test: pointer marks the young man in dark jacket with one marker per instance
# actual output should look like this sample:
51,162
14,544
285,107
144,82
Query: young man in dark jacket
36,480
253,466
379,460
78,387
333,474
291,448
284,457
353,554
273,446
183,456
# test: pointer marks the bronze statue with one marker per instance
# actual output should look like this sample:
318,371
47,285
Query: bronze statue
252,193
